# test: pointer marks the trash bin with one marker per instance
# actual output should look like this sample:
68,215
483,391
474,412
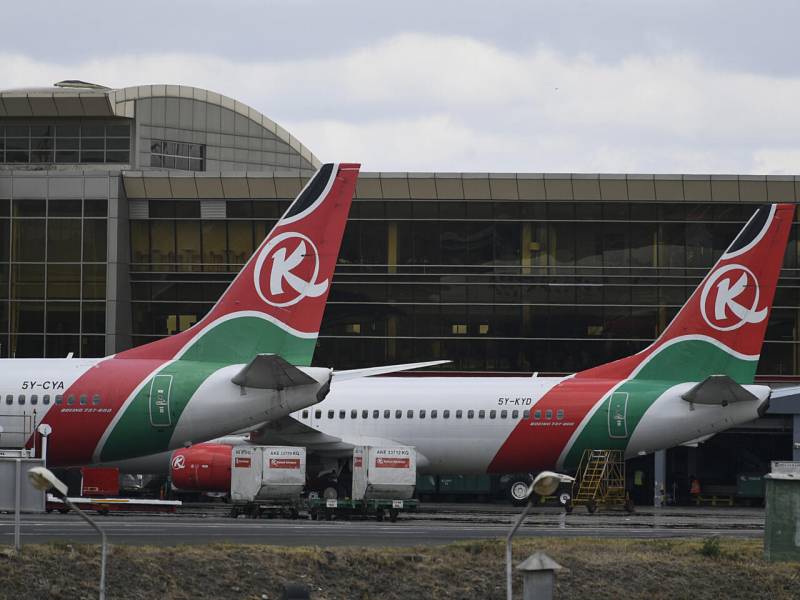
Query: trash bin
782,528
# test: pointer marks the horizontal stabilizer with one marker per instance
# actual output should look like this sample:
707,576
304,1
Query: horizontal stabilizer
719,390
271,372
370,371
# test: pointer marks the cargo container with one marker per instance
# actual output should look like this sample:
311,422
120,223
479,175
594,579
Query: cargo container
384,473
261,473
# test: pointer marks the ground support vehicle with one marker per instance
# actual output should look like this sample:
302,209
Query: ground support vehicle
105,506
327,509
288,509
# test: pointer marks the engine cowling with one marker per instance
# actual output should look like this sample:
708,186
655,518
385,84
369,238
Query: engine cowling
202,468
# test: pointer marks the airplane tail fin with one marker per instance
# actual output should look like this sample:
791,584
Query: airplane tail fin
721,328
276,302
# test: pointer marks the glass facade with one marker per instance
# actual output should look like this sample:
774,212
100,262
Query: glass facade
501,282
65,141
177,155
52,276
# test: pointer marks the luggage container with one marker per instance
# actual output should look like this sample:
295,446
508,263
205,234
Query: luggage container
267,479
384,473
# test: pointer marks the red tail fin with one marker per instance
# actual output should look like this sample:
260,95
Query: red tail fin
276,302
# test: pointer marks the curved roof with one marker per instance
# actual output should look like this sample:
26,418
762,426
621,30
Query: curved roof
79,99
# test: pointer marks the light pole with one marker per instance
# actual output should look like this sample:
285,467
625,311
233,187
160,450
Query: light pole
545,484
43,479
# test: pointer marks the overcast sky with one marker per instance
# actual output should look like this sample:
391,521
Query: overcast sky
565,86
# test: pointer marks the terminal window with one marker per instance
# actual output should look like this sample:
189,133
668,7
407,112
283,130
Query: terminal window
177,155
71,142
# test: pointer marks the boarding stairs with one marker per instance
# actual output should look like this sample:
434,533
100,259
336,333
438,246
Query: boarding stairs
600,481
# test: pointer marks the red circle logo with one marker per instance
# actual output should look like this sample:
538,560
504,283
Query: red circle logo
730,298
287,270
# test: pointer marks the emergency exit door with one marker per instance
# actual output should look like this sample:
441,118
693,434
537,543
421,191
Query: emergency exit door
160,409
618,415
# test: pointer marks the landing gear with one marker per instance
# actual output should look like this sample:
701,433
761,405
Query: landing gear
518,491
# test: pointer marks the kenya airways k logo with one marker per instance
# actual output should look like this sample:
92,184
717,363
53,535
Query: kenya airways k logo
730,298
292,262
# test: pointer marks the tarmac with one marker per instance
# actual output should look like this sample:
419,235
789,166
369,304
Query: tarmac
433,524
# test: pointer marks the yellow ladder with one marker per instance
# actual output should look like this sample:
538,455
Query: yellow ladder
591,473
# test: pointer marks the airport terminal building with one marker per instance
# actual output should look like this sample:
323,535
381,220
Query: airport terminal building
125,213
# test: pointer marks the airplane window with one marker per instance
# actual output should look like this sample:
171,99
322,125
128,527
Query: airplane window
342,413
398,414
305,414
46,399
422,414
410,414
503,414
445,414
459,413
434,413
330,414
470,414
537,414
548,414
354,414
84,400
492,414
376,414
526,414
365,414
560,413
21,399
317,414
515,414
34,399
10,399
96,399
481,414
386,414
59,399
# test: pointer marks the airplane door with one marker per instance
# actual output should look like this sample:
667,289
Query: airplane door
618,415
160,409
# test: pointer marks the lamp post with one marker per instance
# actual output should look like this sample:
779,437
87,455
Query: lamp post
43,479
545,484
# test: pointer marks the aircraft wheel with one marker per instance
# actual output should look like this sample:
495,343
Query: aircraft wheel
630,507
591,507
568,508
393,514
330,492
519,491
379,515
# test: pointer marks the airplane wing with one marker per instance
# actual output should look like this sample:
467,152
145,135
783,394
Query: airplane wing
271,372
784,400
371,371
288,431
718,390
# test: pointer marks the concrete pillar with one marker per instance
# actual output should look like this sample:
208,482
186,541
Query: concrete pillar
659,477
796,437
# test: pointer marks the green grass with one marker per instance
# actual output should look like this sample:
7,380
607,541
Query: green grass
668,569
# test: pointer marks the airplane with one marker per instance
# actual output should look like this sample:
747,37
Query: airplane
245,362
693,381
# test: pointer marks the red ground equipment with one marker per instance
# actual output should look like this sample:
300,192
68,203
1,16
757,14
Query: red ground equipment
99,482
202,468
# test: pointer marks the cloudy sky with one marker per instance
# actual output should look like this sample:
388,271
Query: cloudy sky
686,86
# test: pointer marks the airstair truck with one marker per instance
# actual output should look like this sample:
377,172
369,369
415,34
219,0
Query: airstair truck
267,480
